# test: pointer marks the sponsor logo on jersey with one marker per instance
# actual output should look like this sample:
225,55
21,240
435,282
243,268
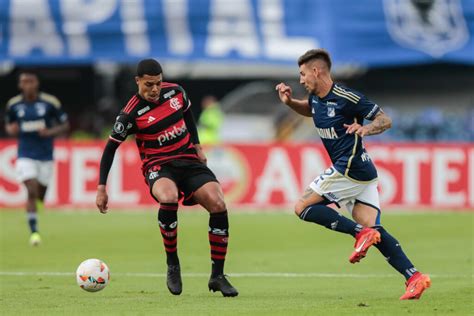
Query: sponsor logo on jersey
144,110
172,134
33,126
434,27
175,104
327,133
151,119
169,94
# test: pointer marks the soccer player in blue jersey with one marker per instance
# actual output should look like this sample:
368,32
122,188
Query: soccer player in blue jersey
35,118
338,114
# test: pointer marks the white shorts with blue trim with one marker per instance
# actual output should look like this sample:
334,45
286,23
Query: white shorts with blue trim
338,189
40,170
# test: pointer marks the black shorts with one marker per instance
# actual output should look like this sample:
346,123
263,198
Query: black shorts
189,175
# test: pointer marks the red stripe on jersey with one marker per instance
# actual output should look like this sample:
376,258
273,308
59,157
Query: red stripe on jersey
168,85
157,114
131,104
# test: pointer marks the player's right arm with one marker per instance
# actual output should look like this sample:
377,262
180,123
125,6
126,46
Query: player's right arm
122,128
11,123
299,106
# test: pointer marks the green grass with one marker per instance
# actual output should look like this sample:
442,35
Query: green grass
438,243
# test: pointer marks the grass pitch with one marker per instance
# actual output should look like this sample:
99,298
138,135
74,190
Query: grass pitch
280,265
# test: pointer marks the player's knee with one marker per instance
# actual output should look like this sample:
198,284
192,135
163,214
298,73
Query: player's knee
216,206
167,197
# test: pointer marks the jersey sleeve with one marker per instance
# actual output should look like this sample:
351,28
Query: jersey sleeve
186,100
59,114
123,126
366,108
10,115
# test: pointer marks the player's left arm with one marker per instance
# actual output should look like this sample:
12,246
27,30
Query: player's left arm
61,117
368,110
192,127
381,123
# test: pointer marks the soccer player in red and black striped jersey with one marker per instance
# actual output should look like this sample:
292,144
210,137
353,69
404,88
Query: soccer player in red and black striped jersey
173,165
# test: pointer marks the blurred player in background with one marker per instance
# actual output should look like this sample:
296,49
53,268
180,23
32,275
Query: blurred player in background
338,114
174,167
35,118
210,121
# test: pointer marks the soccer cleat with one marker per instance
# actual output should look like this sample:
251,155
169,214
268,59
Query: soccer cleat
364,239
173,279
35,239
416,285
220,283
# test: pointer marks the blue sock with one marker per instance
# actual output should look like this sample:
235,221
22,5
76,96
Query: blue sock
32,221
329,218
391,249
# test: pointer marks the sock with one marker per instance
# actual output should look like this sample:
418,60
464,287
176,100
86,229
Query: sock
32,221
392,251
329,218
218,238
168,221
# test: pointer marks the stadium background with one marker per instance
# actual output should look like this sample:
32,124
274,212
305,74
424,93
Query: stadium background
414,58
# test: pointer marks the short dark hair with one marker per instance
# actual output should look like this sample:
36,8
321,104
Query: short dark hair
31,72
319,53
148,67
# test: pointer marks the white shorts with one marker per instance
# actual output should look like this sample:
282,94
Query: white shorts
40,170
337,188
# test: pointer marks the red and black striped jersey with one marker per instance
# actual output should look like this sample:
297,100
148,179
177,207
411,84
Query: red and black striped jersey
159,127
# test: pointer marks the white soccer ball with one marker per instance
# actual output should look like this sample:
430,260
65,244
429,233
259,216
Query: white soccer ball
92,275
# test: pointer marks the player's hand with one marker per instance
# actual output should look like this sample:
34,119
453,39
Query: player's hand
202,157
13,129
102,199
284,92
356,128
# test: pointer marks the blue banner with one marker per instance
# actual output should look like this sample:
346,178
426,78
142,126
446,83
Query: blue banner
264,32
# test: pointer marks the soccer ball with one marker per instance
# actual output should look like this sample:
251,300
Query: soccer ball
92,275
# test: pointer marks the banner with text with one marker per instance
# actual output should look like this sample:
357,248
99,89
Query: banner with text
256,176
271,32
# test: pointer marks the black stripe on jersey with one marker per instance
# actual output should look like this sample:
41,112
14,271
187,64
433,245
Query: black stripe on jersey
163,123
180,151
170,141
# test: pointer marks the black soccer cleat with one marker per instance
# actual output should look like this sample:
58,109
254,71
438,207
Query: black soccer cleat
220,283
173,279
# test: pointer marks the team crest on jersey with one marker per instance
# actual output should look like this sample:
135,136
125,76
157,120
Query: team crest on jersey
175,104
331,111
435,27
40,108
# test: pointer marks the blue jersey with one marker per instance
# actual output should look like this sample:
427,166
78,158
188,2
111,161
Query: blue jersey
31,117
344,106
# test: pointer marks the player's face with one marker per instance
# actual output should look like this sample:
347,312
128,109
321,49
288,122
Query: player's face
149,87
309,77
28,84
